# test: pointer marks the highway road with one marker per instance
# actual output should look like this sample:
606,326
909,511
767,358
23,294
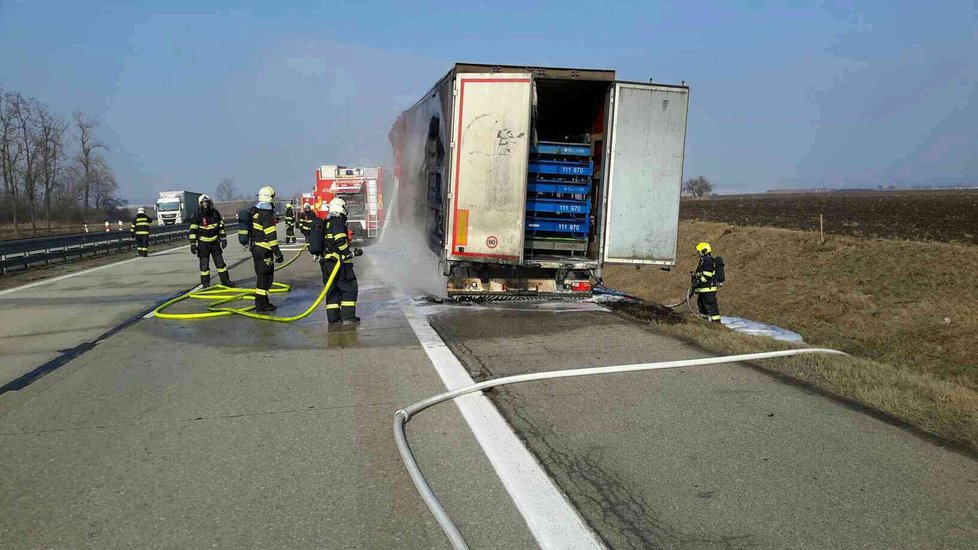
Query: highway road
235,433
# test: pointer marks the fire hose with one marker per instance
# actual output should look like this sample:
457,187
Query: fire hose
689,294
402,416
220,296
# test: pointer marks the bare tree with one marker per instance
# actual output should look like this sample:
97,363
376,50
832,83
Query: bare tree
226,191
87,156
103,185
25,119
10,153
697,187
52,128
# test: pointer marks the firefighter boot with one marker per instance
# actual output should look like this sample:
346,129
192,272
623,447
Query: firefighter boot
225,278
262,304
205,279
348,312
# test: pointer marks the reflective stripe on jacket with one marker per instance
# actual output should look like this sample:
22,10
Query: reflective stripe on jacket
140,225
263,232
207,226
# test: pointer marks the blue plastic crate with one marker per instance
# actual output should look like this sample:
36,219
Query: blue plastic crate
558,206
543,186
561,168
551,225
561,149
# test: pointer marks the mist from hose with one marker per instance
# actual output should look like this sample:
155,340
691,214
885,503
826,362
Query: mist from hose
403,259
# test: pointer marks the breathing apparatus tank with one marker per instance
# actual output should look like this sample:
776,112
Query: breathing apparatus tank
244,226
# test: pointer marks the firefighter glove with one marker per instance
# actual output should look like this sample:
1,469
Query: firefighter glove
279,258
193,249
224,244
357,252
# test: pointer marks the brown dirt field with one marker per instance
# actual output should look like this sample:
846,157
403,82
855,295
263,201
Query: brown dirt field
941,216
906,305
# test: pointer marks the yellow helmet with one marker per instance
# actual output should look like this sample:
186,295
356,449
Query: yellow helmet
266,194
704,248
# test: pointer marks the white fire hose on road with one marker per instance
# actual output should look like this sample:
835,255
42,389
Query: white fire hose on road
402,416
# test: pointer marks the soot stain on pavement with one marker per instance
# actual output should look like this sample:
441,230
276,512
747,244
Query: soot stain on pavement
620,516
646,311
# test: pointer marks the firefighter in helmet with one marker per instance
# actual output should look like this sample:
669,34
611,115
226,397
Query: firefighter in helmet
329,241
208,240
705,283
264,246
306,220
289,223
139,229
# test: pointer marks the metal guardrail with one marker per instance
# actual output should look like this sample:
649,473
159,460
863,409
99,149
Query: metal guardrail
25,253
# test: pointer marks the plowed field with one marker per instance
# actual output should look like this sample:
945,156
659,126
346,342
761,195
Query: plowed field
950,216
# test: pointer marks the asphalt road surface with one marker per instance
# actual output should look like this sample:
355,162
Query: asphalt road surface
235,433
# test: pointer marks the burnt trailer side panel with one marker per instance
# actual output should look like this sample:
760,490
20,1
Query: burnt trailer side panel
420,139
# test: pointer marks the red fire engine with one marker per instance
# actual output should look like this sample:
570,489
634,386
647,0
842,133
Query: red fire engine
361,188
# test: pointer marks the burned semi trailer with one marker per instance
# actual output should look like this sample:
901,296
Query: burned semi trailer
527,180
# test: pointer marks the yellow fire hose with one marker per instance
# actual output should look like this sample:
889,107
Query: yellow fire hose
220,295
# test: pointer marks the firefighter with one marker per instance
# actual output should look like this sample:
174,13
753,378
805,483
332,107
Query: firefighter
306,220
331,244
264,246
705,283
289,223
208,240
139,229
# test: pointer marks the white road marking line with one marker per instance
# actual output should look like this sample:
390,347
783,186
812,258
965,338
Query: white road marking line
549,515
83,272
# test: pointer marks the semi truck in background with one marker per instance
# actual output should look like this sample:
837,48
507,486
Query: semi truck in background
361,188
527,180
174,207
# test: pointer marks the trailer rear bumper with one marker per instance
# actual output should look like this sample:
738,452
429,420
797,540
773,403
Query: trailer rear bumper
540,287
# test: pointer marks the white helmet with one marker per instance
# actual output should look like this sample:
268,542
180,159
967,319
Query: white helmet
141,210
203,198
337,206
266,194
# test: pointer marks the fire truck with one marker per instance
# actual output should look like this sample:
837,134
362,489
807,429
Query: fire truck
361,188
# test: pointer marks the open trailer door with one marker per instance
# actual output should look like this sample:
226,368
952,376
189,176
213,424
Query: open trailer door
644,172
489,150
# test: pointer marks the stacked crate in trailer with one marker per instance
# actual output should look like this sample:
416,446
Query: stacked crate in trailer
558,202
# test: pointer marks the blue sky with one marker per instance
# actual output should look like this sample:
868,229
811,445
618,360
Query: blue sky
783,94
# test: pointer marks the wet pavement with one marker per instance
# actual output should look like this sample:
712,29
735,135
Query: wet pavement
236,433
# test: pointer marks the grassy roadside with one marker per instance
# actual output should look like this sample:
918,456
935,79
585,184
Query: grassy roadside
935,406
904,309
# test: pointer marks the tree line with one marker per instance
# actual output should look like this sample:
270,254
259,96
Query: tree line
52,167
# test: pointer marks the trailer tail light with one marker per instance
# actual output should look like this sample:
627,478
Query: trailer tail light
581,286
